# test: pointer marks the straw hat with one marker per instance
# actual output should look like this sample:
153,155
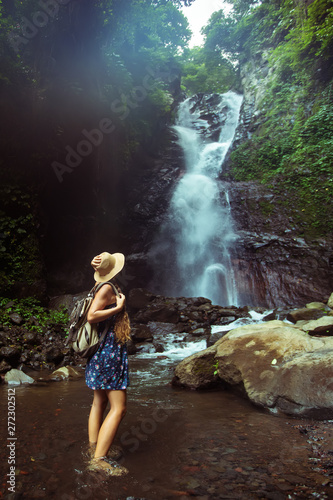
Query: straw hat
111,264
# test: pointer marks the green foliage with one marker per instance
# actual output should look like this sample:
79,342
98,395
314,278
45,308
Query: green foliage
248,28
161,99
244,7
19,249
87,58
144,27
220,36
294,152
318,127
35,317
312,32
298,34
203,71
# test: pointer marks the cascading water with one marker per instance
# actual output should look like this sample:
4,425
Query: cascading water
195,242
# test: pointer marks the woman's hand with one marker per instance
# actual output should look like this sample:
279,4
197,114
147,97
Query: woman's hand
96,262
104,297
120,301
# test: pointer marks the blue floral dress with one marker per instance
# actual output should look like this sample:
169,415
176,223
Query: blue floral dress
108,367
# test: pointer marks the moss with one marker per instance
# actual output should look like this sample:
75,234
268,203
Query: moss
266,208
204,366
293,152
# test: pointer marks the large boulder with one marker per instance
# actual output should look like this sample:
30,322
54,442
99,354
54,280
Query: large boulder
11,354
65,373
197,371
330,301
139,298
306,313
54,354
158,312
277,365
321,327
17,377
141,333
318,305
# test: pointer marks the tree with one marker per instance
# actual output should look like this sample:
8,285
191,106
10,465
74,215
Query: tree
203,71
243,7
221,41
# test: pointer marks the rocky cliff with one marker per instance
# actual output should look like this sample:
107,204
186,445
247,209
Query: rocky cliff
275,264
277,259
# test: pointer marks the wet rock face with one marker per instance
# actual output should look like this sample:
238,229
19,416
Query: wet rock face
254,75
206,107
273,265
147,190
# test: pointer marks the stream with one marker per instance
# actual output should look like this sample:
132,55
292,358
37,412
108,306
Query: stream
176,443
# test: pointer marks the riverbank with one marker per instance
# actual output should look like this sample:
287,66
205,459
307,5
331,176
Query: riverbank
33,337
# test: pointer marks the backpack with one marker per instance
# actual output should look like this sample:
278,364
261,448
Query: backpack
83,337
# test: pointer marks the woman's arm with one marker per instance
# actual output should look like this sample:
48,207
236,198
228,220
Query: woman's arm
103,298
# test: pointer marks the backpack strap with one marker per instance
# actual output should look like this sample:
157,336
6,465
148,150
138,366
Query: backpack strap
114,289
99,286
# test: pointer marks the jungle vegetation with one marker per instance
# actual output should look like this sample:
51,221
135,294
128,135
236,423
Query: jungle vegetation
70,67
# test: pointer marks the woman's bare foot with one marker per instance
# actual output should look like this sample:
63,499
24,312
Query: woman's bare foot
104,464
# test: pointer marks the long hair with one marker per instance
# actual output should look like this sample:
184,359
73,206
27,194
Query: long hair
122,327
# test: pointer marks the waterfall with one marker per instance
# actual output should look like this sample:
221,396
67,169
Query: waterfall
192,252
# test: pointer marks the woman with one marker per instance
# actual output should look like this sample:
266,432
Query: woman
107,370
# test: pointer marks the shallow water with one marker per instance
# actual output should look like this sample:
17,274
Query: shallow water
176,443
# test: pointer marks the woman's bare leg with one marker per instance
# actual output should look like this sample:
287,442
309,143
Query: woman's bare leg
111,422
96,415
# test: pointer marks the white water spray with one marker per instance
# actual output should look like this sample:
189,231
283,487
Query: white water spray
199,231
